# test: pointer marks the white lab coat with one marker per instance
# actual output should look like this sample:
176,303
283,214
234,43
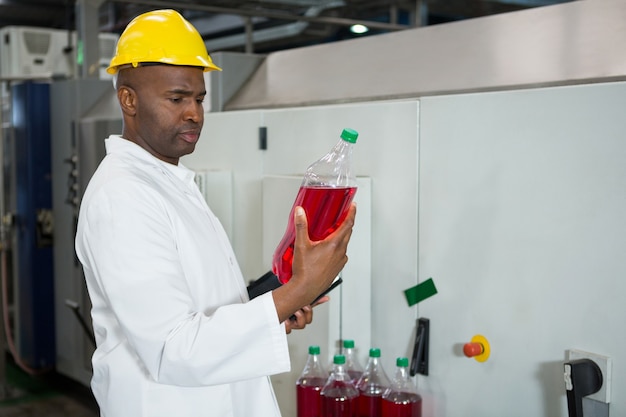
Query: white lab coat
175,331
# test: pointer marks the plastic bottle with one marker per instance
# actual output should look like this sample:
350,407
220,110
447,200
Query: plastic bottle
372,386
309,385
326,192
401,398
353,366
339,395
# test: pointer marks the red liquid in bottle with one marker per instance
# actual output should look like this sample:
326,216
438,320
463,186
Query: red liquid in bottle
309,402
325,208
335,404
369,405
405,405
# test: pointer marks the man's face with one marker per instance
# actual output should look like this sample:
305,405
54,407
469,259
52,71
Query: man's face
168,112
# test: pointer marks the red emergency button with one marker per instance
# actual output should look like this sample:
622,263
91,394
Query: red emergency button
478,348
472,349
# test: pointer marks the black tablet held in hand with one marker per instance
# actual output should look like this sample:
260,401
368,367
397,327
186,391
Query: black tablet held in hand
269,281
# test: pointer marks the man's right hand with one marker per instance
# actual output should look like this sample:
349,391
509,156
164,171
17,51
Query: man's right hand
315,264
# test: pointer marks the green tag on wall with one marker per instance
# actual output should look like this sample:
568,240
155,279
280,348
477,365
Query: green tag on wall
420,292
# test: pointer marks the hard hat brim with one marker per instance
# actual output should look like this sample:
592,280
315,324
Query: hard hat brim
114,68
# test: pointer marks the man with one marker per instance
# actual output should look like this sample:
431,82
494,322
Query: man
176,333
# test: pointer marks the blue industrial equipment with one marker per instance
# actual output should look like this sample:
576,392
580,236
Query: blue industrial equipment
33,225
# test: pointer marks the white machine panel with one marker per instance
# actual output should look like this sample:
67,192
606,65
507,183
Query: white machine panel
522,227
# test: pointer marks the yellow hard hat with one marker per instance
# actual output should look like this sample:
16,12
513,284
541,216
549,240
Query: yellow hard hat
162,36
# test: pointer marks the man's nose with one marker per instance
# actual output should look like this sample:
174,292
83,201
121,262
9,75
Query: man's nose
194,112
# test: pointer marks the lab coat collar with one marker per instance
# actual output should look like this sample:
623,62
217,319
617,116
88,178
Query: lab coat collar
116,143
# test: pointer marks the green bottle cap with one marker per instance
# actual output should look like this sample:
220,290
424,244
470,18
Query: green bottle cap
348,344
314,350
349,135
402,362
374,353
339,360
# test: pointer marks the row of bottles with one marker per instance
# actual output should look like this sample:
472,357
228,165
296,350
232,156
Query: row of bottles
351,391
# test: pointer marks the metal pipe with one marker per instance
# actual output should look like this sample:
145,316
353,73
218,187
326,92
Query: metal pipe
3,386
421,13
249,35
393,14
88,42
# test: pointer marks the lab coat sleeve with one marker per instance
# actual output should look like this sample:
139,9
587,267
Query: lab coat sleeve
127,247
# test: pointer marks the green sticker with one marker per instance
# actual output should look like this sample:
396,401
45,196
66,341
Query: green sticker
420,292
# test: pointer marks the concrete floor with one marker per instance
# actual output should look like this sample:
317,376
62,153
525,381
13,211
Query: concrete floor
60,406
47,395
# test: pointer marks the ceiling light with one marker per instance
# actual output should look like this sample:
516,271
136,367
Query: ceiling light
358,28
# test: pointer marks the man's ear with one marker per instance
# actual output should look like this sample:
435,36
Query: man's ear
127,98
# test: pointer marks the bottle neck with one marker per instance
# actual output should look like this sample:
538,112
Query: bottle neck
373,363
343,147
402,381
313,367
340,373
402,373
333,169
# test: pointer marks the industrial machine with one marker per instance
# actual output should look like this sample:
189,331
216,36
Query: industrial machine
45,112
27,228
83,114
